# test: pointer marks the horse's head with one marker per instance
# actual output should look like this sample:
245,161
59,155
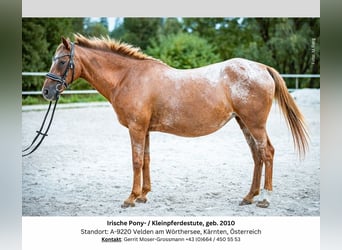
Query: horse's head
62,71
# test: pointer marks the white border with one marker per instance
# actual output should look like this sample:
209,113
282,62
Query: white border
212,8
56,233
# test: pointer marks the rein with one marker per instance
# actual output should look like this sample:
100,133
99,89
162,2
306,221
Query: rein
32,148
61,82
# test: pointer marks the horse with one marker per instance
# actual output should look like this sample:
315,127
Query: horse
149,95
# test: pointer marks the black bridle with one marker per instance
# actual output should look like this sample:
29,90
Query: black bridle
61,82
62,79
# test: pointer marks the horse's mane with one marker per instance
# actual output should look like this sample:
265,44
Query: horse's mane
111,45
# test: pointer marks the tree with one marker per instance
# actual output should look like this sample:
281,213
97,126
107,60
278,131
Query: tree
118,29
77,25
290,42
183,50
40,38
227,34
250,41
140,31
170,26
291,45
104,22
34,51
95,29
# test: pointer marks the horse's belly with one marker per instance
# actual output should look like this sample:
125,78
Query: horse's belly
194,124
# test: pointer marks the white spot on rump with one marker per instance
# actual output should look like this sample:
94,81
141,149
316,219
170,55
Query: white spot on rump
250,70
245,73
239,91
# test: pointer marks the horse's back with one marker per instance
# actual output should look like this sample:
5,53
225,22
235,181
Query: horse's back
199,101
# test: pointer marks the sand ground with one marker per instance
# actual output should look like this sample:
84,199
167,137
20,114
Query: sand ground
83,168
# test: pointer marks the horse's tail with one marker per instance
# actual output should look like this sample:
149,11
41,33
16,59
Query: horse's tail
293,116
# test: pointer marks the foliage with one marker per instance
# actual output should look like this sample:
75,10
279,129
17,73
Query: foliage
40,38
287,44
34,51
138,31
169,26
183,50
95,29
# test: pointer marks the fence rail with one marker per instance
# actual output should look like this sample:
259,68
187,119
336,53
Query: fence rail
297,76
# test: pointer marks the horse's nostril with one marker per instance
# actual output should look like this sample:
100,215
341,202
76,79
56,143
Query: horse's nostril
45,92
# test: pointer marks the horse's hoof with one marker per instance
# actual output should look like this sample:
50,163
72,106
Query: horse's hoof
141,200
263,204
127,204
245,202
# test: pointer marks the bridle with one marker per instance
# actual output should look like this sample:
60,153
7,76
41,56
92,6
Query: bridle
61,83
62,79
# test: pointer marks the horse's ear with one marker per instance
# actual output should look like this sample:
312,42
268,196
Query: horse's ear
66,43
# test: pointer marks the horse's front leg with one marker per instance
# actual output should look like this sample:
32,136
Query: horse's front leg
146,186
137,136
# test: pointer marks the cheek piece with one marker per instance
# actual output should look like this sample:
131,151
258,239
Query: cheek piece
61,80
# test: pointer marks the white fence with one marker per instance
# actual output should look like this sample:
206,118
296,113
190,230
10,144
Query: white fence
65,92
297,76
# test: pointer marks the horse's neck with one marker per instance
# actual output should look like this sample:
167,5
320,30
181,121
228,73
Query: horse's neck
103,70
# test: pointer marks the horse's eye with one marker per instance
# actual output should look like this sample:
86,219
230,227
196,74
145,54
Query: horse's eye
62,62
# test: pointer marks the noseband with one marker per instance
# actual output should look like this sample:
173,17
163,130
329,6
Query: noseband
62,79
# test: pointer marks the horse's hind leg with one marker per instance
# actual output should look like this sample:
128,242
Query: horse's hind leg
146,187
255,187
268,187
263,153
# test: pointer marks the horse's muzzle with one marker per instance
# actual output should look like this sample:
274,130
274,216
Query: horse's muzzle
50,93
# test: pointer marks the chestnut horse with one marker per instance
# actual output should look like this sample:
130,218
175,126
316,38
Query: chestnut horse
148,95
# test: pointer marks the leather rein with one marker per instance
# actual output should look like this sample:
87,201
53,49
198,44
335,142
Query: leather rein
61,82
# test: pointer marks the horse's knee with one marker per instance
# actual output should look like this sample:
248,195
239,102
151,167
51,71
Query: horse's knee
137,163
